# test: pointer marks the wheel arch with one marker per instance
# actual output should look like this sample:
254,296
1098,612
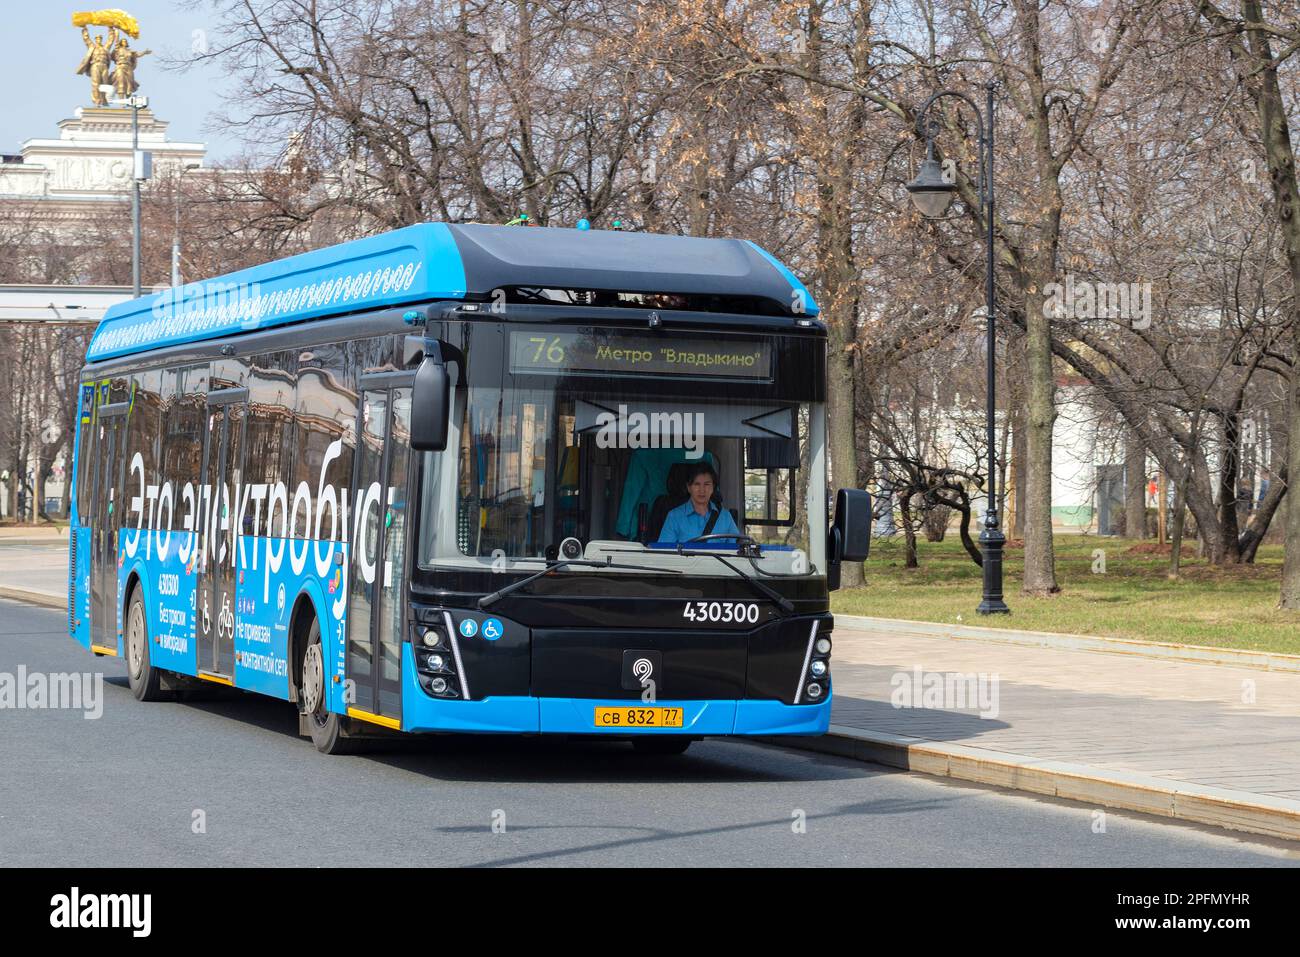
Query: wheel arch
135,578
306,609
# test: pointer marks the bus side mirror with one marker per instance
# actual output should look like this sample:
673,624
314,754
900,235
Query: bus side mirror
430,405
851,531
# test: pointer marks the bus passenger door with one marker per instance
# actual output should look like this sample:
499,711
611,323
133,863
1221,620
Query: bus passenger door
106,521
376,597
214,593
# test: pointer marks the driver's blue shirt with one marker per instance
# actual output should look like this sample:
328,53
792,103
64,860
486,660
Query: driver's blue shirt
684,523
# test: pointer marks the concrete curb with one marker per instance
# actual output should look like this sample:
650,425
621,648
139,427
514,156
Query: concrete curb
1217,807
32,597
1201,654
29,535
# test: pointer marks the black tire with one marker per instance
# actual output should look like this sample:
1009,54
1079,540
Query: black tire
144,678
661,744
327,728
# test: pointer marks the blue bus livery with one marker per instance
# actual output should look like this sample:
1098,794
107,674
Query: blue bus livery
416,483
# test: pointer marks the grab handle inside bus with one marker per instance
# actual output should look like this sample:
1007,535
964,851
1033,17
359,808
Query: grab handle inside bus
430,404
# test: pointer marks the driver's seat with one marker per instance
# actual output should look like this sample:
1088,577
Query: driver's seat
674,494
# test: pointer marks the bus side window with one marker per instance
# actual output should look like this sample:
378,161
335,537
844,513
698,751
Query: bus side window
326,409
269,431
185,423
85,464
378,354
143,438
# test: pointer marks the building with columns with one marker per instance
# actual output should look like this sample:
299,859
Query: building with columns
54,193
63,182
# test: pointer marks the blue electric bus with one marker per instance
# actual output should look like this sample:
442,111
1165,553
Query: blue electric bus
471,478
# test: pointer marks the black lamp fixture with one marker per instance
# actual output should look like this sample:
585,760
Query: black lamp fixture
931,192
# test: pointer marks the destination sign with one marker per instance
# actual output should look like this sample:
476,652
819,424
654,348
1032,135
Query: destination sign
613,353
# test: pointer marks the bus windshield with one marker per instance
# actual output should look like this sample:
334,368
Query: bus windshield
533,461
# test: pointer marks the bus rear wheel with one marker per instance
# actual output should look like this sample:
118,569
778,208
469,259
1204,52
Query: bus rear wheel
326,727
144,678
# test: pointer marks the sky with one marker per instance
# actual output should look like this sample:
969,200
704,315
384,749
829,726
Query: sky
44,50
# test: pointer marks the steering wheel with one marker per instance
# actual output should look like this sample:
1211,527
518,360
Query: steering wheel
736,537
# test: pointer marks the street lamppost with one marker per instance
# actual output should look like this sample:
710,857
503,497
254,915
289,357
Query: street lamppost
931,193
182,169
140,170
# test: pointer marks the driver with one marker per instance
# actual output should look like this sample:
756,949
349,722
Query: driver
699,515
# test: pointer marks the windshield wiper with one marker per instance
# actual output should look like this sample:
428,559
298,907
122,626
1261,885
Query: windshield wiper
782,602
556,566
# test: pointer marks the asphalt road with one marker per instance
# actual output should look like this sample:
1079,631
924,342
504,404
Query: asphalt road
227,781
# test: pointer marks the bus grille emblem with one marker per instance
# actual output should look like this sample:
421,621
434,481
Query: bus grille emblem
642,669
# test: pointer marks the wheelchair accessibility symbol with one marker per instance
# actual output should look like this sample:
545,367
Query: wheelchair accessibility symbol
492,629
468,628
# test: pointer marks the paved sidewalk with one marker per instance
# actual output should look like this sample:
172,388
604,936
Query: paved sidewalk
1211,725
40,532
34,565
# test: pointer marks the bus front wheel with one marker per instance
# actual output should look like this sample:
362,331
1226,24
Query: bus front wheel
144,678
325,727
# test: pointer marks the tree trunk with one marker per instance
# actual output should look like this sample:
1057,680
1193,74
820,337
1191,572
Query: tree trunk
1015,490
1252,56
1040,557
909,531
1257,527
1229,479
1135,486
841,433
38,492
838,297
1176,540
1290,592
967,542
1198,498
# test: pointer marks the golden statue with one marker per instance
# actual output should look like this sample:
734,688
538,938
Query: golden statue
95,64
111,63
124,61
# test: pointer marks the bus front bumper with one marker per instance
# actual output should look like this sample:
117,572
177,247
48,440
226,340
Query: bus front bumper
517,714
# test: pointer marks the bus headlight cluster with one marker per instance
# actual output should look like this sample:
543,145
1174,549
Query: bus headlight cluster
817,680
435,664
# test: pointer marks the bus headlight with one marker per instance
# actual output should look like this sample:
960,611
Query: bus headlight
438,685
823,645
814,691
435,662
432,637
818,668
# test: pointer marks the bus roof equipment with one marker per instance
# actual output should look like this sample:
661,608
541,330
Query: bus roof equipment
436,261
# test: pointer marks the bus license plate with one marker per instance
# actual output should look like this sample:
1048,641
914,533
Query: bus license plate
638,717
